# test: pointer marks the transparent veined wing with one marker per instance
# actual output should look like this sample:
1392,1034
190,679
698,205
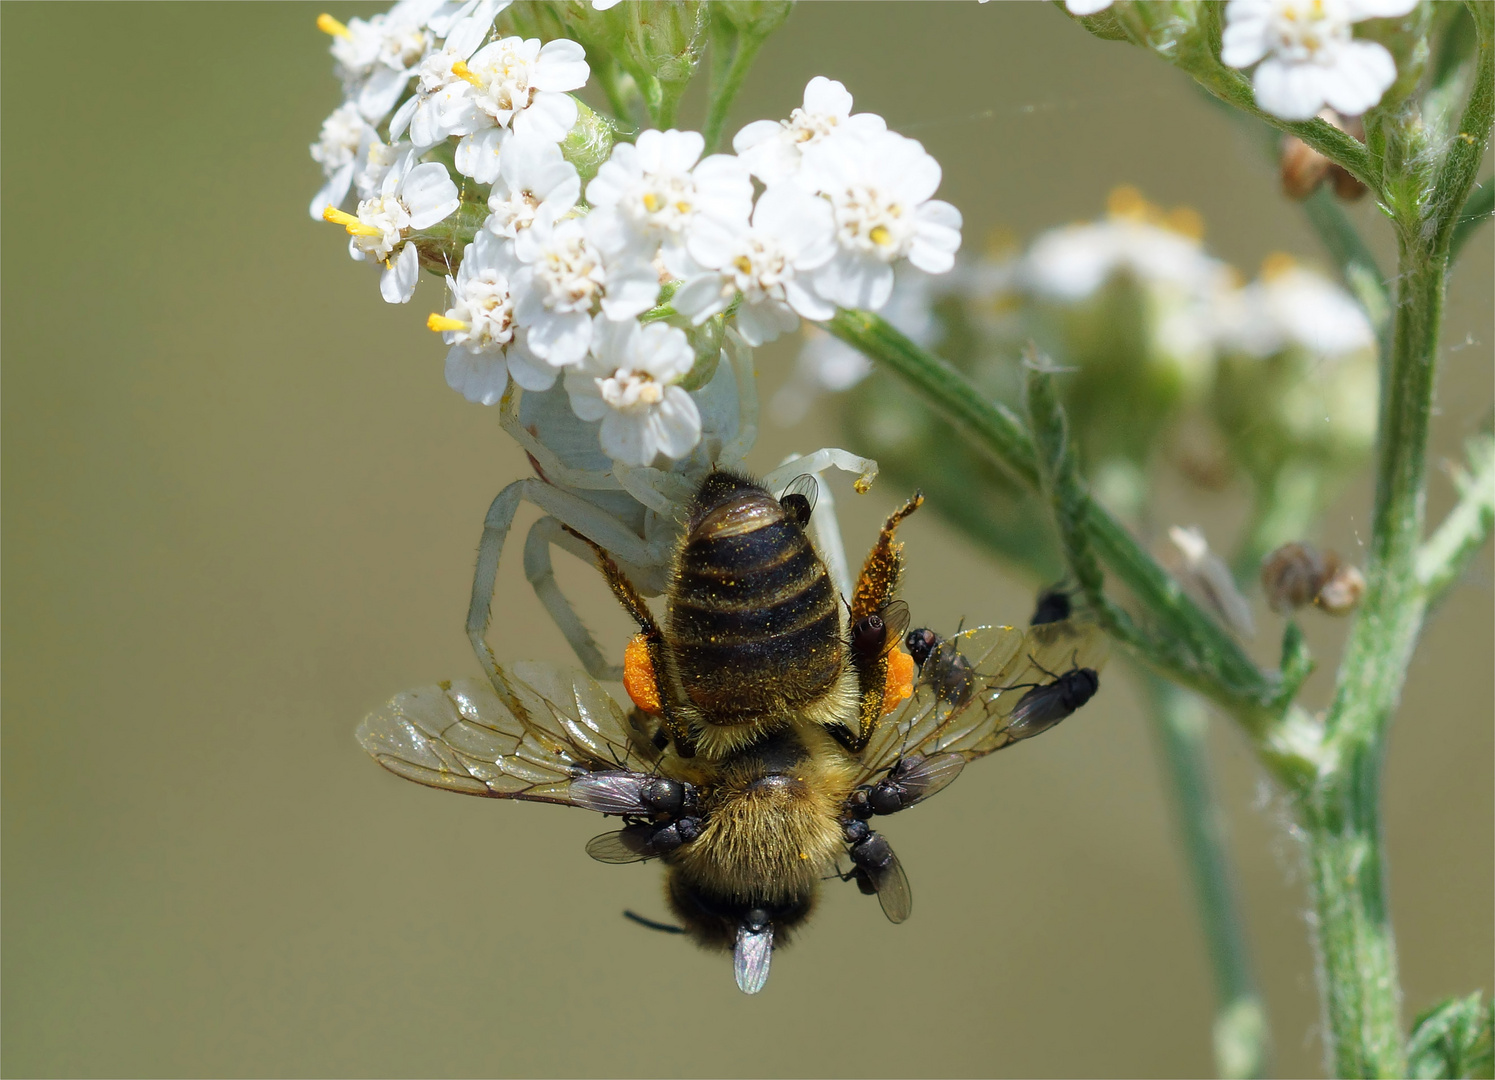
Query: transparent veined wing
561,739
968,688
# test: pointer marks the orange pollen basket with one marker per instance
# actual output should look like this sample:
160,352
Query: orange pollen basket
638,676
900,682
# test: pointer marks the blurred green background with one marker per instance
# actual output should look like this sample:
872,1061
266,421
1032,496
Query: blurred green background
240,509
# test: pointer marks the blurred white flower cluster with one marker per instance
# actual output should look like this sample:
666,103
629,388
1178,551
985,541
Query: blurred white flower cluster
551,276
1138,304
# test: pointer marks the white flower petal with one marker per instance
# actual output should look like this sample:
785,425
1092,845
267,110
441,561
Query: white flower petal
560,338
480,155
1288,90
397,282
702,297
480,377
550,116
429,194
530,372
677,423
1363,71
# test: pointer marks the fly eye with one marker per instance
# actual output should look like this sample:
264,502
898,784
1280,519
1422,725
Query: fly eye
756,920
869,635
797,507
920,643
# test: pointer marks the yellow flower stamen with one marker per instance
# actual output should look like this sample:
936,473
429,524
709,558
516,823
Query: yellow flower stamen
1186,221
652,202
328,25
439,323
880,235
1277,264
463,72
350,222
1126,202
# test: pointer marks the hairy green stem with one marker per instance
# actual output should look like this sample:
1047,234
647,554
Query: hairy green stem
1443,557
1193,45
1241,1039
1189,646
1341,811
744,50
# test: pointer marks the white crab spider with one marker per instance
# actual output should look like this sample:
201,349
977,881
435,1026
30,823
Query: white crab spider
631,513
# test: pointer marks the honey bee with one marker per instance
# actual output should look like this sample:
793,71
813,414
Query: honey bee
772,721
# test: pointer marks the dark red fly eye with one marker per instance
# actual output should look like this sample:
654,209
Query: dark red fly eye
869,635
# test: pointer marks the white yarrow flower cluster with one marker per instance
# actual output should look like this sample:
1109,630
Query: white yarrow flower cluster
554,279
1306,56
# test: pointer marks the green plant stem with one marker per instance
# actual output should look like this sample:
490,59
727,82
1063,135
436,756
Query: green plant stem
1444,555
1193,45
1240,1025
1191,647
1241,1040
1341,810
744,51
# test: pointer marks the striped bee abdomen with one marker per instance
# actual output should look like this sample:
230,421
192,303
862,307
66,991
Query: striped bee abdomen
753,619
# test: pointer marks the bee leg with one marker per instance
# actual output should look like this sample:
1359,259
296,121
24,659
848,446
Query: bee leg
873,593
653,637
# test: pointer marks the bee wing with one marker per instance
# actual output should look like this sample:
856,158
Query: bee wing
561,738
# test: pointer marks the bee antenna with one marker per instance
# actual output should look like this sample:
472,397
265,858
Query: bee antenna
650,924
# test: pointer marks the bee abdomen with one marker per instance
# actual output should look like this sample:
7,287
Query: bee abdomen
753,618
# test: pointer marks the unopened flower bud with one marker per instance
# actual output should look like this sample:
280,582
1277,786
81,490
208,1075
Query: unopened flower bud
667,38
1341,593
755,18
589,142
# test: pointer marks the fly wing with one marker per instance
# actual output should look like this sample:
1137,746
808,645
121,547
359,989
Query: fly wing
1053,648
893,891
968,689
544,743
953,706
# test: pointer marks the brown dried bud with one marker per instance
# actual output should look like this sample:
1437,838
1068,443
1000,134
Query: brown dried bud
1297,574
1346,186
1341,593
1303,168
1292,575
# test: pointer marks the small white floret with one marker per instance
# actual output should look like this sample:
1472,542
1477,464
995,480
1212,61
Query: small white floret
879,185
772,149
1306,55
767,263
627,383
534,181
